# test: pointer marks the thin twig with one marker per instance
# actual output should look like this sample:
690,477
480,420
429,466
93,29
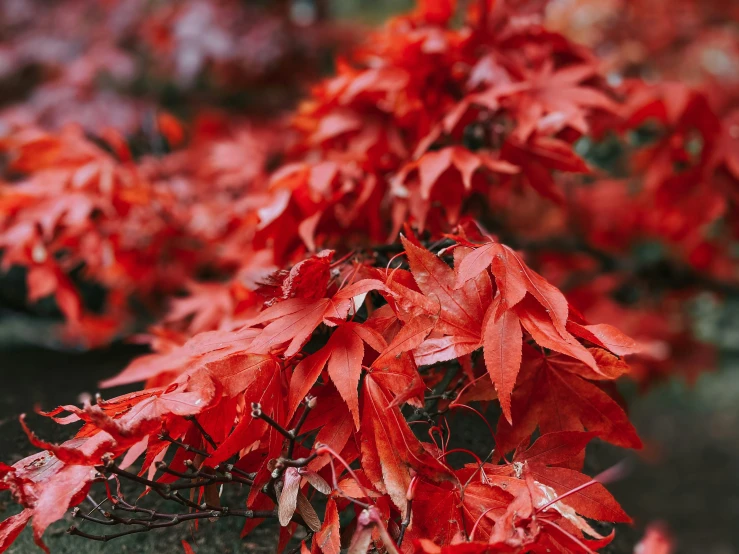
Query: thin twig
203,432
164,436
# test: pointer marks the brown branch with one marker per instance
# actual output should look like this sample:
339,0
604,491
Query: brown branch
406,521
310,403
143,520
299,462
157,520
203,432
257,413
233,469
164,436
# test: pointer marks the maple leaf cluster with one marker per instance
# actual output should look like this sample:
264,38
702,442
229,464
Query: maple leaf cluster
667,176
80,213
95,195
344,284
317,382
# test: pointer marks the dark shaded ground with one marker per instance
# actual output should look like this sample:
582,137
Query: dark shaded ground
689,472
687,476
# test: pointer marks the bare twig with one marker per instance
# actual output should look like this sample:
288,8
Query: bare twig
203,432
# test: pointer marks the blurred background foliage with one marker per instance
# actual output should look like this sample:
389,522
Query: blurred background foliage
369,11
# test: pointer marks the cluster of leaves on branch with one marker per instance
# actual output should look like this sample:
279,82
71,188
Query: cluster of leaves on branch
424,124
344,308
315,392
142,230
675,169
89,198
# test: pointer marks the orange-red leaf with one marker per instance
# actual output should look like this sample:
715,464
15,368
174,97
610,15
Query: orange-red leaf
329,537
503,340
555,448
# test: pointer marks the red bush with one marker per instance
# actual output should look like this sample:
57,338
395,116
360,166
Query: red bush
344,307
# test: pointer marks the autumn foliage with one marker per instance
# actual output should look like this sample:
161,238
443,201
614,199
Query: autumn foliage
336,288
